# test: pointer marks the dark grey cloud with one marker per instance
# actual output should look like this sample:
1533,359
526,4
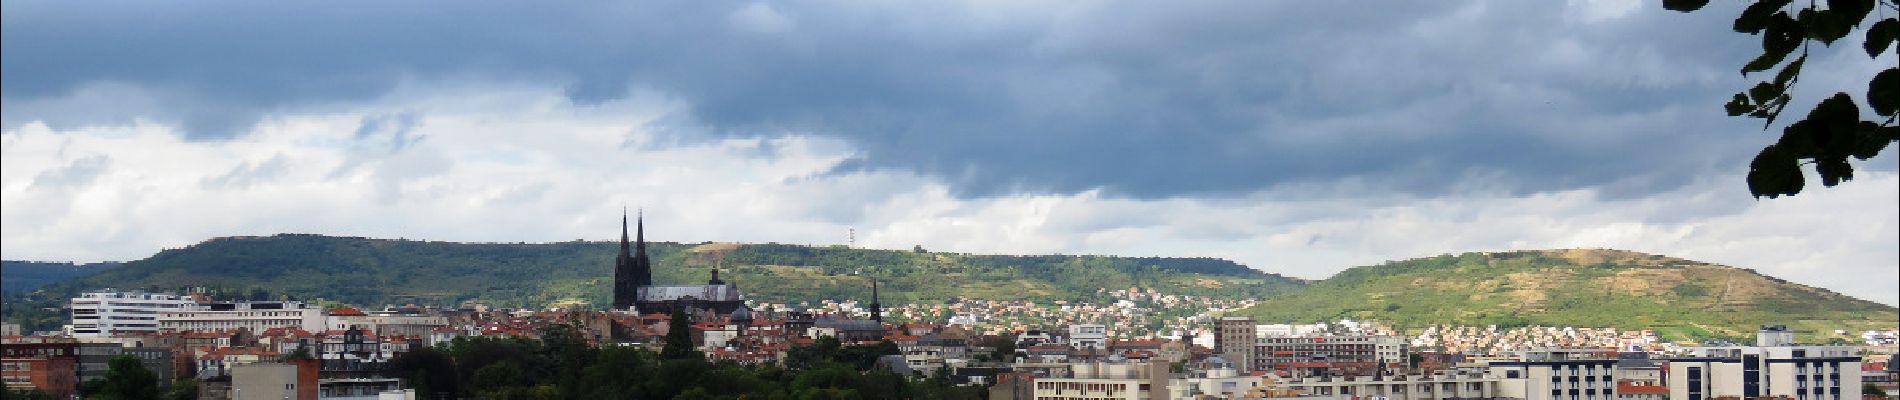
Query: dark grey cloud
1140,99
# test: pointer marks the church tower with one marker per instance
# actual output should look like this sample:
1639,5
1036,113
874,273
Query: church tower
624,286
632,270
877,310
642,268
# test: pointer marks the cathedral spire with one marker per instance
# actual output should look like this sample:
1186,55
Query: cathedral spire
624,251
625,285
642,267
877,310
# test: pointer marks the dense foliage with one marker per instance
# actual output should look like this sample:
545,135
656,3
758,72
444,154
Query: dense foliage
560,366
1587,288
24,276
1834,130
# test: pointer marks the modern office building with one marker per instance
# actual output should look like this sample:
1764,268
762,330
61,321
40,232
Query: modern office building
256,316
1775,367
108,312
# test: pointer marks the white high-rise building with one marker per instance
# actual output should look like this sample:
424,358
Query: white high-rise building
108,313
1785,371
1082,336
256,316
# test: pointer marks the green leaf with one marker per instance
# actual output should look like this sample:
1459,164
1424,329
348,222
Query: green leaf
1872,140
1883,33
1783,35
1684,5
1763,92
1789,72
1826,26
1834,171
1738,105
1883,92
1773,174
1797,141
1850,12
1755,17
1835,121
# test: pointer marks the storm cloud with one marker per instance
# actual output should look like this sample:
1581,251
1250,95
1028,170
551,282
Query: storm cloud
1140,100
1298,137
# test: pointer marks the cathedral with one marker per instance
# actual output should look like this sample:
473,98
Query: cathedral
634,289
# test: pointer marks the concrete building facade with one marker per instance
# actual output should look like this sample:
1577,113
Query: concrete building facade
110,313
255,316
1234,339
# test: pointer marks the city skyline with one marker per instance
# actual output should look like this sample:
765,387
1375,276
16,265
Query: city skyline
1282,136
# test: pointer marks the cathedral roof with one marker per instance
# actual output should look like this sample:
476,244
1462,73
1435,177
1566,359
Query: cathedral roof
699,292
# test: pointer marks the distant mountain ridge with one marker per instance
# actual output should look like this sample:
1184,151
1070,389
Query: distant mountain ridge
1575,287
20,276
384,271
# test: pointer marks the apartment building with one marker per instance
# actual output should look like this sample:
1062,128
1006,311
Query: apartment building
52,375
256,316
1234,339
1441,386
108,312
1323,355
1558,374
1088,336
1787,371
1105,380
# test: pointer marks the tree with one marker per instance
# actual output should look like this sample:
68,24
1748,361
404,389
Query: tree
679,338
1833,130
430,371
126,379
182,389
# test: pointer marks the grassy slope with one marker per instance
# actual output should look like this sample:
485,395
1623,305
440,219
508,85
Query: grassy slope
1684,299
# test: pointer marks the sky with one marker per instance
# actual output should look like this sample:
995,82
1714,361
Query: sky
1298,138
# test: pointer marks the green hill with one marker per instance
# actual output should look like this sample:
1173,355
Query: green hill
23,276
1593,288
381,271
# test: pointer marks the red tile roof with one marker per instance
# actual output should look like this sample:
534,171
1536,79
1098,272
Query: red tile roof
1625,388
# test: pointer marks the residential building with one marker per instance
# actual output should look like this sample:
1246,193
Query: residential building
51,375
1234,339
384,322
156,359
256,316
357,388
1105,380
1322,355
1443,385
1558,374
1638,377
1783,370
1214,377
275,380
1083,336
110,313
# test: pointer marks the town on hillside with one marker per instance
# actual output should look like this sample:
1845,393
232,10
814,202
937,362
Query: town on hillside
1143,345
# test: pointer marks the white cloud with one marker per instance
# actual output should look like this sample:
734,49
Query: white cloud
525,164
